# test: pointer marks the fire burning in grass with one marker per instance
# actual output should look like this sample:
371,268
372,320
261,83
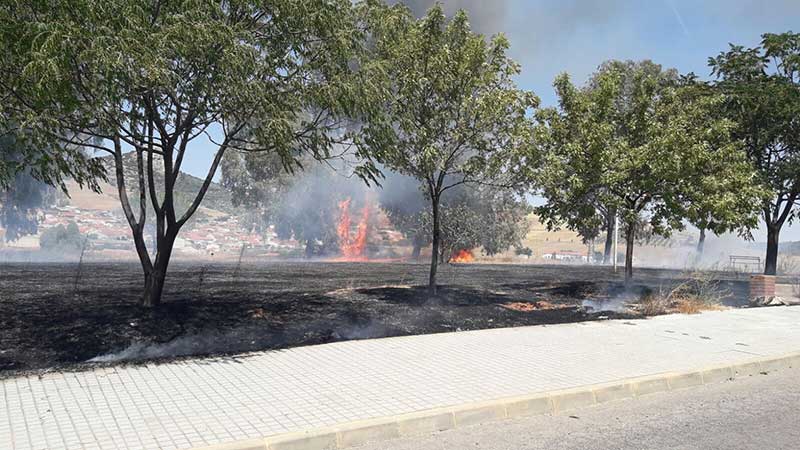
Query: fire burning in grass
462,256
353,247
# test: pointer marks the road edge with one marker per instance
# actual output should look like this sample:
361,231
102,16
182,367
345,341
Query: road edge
417,423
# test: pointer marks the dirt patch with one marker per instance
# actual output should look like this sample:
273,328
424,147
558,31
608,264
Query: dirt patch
50,321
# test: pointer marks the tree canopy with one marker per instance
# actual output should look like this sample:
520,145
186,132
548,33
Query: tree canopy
41,159
761,86
162,79
473,216
644,143
22,195
452,113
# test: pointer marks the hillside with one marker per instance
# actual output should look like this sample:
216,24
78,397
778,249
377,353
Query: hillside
186,188
542,241
214,230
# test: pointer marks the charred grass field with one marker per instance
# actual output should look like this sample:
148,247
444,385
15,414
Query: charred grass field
54,317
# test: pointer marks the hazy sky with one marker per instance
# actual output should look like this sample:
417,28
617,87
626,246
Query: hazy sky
574,36
553,36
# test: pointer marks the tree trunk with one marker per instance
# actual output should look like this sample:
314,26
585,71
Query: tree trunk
609,241
771,263
309,248
167,223
153,287
417,249
630,239
435,252
701,243
155,276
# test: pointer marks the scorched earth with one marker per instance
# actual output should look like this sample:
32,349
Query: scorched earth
53,316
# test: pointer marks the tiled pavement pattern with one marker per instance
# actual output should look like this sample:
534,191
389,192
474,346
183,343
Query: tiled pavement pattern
201,402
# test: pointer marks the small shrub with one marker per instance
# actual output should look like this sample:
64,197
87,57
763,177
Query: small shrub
653,304
62,239
523,251
699,292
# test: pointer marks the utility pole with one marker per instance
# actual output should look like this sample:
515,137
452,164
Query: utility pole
616,239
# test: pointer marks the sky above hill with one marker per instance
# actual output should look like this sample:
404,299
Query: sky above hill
574,36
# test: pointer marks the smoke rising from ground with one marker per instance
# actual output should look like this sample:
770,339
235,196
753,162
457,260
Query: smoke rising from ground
403,192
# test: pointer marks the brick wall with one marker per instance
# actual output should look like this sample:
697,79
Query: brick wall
762,286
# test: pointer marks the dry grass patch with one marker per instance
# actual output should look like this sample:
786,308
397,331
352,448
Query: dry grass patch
699,292
652,304
695,306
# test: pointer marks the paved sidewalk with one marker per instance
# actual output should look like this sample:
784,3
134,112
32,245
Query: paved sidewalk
207,401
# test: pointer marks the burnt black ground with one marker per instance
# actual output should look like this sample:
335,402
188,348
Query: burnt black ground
213,309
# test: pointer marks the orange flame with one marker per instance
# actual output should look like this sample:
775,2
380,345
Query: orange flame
352,247
343,227
462,256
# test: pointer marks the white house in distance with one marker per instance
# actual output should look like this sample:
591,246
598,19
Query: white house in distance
566,256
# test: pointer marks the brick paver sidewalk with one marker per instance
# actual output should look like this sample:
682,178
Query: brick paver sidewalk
207,401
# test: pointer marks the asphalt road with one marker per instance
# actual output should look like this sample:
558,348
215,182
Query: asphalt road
761,412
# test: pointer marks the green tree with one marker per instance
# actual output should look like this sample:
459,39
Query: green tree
472,216
762,90
21,204
62,239
413,223
24,196
163,79
488,217
573,140
39,158
728,204
27,177
648,145
452,113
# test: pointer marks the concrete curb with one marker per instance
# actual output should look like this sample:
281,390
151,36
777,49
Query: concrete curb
554,402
